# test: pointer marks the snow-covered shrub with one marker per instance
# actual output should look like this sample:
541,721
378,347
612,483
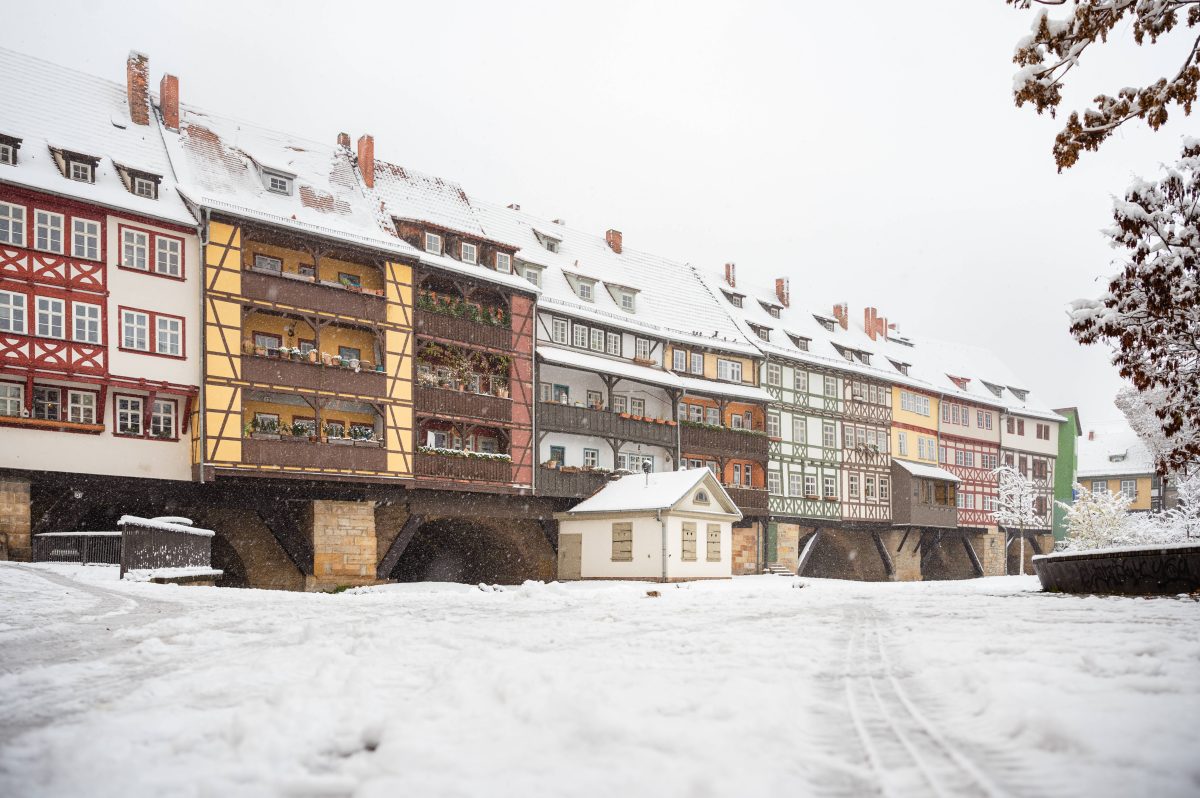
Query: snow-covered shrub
1096,519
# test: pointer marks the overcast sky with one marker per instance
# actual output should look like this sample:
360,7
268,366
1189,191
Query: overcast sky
869,151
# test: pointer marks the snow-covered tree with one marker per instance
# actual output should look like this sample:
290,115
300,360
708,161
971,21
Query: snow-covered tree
1014,503
1096,519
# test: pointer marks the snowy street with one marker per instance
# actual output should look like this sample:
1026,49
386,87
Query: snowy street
755,686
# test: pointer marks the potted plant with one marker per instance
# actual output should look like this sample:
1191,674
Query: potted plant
264,429
336,361
326,359
297,355
379,367
247,346
261,351
351,363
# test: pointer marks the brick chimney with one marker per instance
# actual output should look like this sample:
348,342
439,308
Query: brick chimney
168,101
613,239
730,276
881,327
1091,435
137,87
870,322
366,159
841,312
344,140
782,292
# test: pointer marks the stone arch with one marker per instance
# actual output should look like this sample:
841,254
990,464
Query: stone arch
845,554
496,551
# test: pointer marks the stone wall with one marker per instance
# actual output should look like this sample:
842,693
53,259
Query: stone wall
15,521
787,545
344,545
990,548
745,550
247,552
906,560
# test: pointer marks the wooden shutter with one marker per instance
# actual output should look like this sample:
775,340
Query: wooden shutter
689,541
714,543
622,542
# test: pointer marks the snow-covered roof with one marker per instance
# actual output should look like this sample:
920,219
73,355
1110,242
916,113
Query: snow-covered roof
573,358
1112,449
695,385
925,471
50,106
166,523
658,491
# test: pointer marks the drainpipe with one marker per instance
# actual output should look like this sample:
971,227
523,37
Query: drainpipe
658,516
202,426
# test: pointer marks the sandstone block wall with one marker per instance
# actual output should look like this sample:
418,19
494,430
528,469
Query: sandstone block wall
15,521
344,544
745,550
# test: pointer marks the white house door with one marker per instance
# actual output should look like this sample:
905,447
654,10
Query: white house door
570,557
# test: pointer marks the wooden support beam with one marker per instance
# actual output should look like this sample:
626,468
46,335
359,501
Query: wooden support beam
888,565
280,518
806,551
927,548
396,550
1032,538
975,563
903,540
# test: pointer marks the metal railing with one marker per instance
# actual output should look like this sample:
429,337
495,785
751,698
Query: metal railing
87,548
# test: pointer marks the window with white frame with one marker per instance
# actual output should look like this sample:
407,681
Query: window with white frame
697,363
167,252
12,224
48,231
729,370
277,183
559,331
168,336
129,415
1129,488
81,171
641,348
81,407
637,406
774,374
679,359
8,154
433,243
828,434
586,291
748,476
47,403
135,330
135,249
902,443
503,262
852,486
830,386
773,424
469,253
262,263
162,419
810,485
12,312
12,398
51,317
800,380
829,483
591,458
598,339
799,429
533,275
712,416
774,483
145,187
627,301
85,239
581,336
614,344
86,320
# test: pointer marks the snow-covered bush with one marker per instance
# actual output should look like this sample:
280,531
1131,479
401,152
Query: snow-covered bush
1096,519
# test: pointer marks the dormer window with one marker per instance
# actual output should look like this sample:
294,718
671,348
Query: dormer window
627,301
433,243
828,324
81,171
800,342
586,291
1020,393
762,332
503,262
995,389
533,275
900,367
769,308
8,154
277,183
469,253
734,299
144,187
550,242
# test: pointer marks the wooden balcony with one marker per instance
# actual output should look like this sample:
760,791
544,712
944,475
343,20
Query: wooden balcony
301,453
569,484
723,442
556,417
447,402
751,501
307,295
449,467
277,373
463,331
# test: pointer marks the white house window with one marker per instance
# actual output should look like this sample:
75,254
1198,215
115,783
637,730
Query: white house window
799,429
47,403
11,398
129,415
162,419
12,312
763,333
591,458
614,344
902,443
277,183
433,243
830,486
263,263
773,424
135,249
679,359
85,239
828,434
795,485
470,253
48,231
697,363
166,256
168,336
852,486
830,386
774,374
729,370
534,276
810,485
81,407
641,349
135,330
50,317
503,262
800,380
774,483
86,319
627,301
1129,488
8,154
585,292
581,336
558,331
145,187
12,224
83,172
597,339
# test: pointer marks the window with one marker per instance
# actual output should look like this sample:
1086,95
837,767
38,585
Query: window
503,262
713,554
585,291
1020,426
581,336
85,239
8,154
989,461
830,485
135,247
1039,469
48,231
162,419
729,370
12,312
810,485
697,363
773,483
144,187
47,403
619,404
735,422
135,330
349,352
267,341
800,380
627,301
641,349
86,319
852,486
263,263
637,406
83,172
50,316
597,340
1043,432
277,183
795,485
748,476
81,407
737,473
1099,486
167,256
433,243
830,386
763,333
558,330
591,457
614,344
1010,425
534,276
558,455
129,415
773,424
902,444
799,429
688,542
469,253
622,542
915,403
774,374
869,486
11,398
12,224
712,416
884,489
168,336
801,343
679,359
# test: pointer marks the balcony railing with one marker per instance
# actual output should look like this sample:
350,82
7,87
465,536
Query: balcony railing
304,293
751,501
460,330
556,417
723,442
276,372
447,402
303,453
443,466
569,484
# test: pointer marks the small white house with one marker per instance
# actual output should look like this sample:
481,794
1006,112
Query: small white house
670,526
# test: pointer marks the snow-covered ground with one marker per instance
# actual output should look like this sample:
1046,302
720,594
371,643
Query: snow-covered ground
757,686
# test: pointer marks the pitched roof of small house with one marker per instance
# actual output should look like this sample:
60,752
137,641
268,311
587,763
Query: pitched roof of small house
1113,449
926,471
658,491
